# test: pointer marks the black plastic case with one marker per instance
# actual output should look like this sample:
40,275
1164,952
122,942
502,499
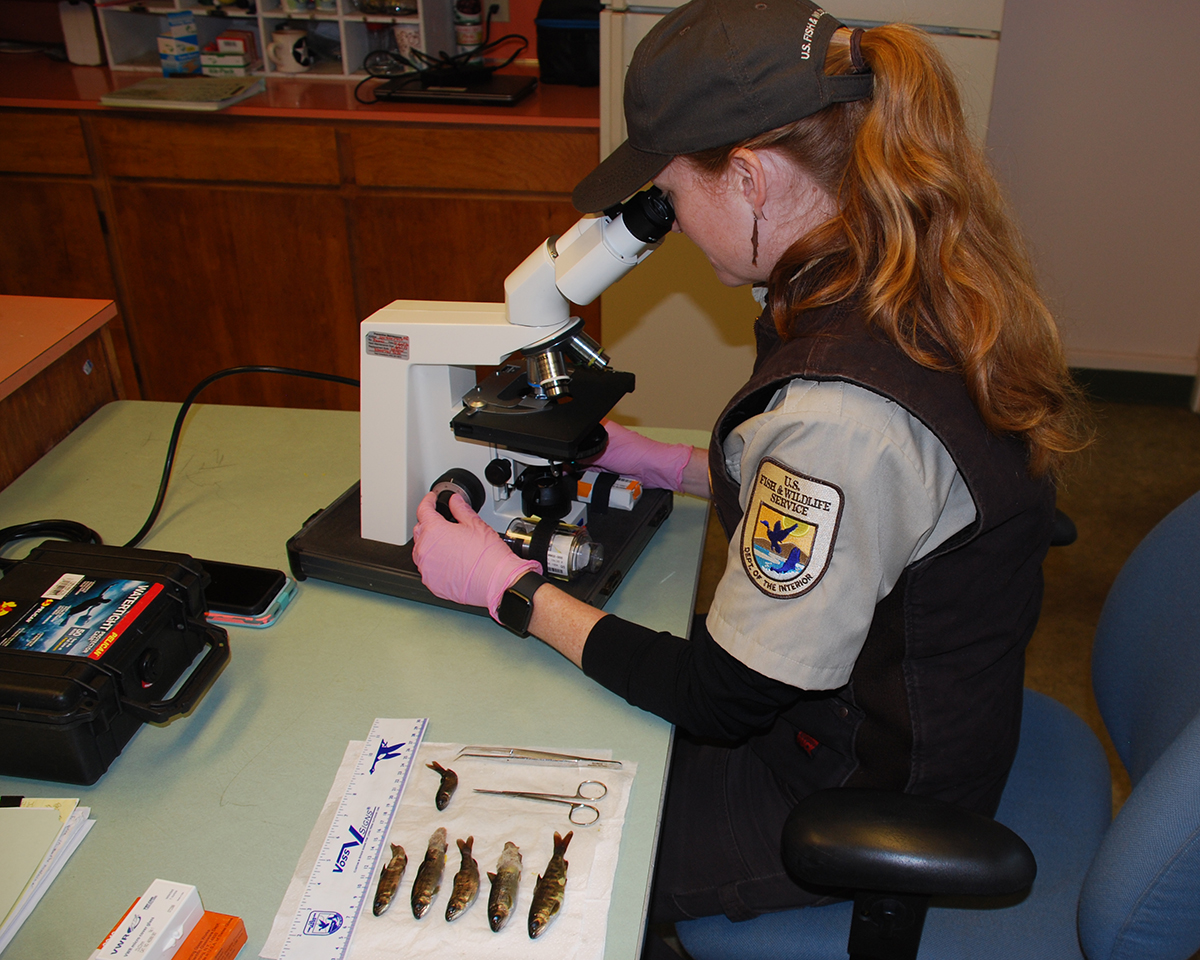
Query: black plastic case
92,639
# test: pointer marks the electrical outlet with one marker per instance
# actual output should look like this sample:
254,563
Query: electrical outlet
501,14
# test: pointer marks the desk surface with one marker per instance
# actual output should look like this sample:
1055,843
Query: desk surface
225,798
36,331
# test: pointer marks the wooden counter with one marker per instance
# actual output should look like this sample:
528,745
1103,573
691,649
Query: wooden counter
262,234
57,367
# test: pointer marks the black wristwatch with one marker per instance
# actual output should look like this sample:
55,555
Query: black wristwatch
516,606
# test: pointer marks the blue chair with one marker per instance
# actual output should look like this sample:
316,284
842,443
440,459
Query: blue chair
1106,889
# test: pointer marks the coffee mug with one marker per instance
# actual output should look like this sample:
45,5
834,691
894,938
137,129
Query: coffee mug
408,38
289,51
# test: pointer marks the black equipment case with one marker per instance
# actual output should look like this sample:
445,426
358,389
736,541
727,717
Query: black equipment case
92,639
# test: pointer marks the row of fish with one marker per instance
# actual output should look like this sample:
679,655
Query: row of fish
505,882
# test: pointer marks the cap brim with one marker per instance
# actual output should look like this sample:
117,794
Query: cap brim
620,175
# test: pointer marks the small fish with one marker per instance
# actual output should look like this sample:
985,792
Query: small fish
505,882
389,880
549,890
466,882
429,874
447,787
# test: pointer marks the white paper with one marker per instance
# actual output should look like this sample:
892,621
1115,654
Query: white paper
577,933
70,835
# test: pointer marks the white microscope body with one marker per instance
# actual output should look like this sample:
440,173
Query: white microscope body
418,360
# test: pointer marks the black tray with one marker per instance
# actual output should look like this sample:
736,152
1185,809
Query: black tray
330,547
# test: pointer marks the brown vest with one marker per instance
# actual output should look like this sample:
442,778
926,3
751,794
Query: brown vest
934,702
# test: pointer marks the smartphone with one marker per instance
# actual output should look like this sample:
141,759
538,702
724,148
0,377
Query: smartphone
265,619
242,590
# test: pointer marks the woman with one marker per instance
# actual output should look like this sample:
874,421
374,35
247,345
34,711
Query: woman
885,476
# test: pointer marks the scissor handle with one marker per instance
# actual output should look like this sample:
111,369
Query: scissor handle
598,796
595,814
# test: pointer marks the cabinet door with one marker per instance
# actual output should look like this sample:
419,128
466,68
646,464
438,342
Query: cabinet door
65,255
223,276
450,248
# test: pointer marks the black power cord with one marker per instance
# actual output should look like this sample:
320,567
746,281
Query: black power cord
421,69
79,533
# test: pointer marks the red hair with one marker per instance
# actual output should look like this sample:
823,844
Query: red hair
924,238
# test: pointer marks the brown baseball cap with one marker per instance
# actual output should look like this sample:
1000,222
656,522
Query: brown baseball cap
715,72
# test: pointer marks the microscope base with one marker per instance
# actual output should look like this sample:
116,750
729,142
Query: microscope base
330,547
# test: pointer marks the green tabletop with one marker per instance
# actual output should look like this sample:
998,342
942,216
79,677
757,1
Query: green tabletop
225,798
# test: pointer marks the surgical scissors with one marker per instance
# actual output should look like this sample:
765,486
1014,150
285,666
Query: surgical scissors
577,802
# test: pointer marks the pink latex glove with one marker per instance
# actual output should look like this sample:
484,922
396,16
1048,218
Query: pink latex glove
466,562
656,465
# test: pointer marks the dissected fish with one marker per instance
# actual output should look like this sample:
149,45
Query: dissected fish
505,882
549,890
389,880
466,882
429,874
447,787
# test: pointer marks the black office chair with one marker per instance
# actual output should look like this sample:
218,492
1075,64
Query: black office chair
1106,889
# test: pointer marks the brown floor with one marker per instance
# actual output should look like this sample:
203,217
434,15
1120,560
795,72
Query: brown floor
1144,463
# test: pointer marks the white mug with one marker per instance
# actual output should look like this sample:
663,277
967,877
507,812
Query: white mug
288,50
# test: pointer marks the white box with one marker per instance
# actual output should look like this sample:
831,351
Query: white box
175,47
154,927
212,70
181,24
237,41
210,59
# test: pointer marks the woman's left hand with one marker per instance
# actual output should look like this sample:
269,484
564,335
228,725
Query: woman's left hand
466,562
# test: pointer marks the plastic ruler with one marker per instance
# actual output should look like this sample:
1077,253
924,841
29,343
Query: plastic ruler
341,880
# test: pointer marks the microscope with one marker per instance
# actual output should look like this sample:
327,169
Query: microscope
513,445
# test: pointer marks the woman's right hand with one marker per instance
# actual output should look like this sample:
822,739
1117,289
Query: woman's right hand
657,465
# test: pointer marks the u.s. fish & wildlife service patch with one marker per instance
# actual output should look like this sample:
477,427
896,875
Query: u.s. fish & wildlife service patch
789,529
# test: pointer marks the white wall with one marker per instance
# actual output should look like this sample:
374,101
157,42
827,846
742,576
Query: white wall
1095,130
687,338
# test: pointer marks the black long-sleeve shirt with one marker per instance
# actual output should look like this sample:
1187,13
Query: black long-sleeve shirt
695,684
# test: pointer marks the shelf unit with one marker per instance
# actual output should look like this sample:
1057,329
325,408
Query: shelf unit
130,30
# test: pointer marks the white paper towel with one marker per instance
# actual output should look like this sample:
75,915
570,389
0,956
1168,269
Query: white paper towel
579,930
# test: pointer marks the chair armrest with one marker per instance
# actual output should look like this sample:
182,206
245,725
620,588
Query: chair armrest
878,840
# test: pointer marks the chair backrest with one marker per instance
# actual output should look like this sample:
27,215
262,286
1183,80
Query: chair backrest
1141,897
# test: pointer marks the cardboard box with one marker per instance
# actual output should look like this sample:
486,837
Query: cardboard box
216,71
209,59
184,65
215,937
238,41
181,24
156,924
176,47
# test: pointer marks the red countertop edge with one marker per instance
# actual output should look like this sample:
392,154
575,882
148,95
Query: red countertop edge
31,81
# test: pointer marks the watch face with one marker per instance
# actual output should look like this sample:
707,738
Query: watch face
515,611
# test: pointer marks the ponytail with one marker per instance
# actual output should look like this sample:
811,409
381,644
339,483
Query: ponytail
924,239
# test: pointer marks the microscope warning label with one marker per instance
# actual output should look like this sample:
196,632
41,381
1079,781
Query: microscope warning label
387,345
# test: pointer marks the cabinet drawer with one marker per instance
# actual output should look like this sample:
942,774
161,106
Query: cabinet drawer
537,161
41,143
218,149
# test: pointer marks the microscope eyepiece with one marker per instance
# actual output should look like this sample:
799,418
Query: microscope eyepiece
648,215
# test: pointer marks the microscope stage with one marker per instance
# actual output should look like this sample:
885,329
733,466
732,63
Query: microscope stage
565,430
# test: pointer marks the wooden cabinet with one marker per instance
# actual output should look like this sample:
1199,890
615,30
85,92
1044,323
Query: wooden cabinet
237,240
52,229
220,276
57,367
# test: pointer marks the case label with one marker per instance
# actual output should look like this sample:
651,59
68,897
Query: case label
80,619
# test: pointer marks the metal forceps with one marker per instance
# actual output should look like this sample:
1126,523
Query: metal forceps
580,800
